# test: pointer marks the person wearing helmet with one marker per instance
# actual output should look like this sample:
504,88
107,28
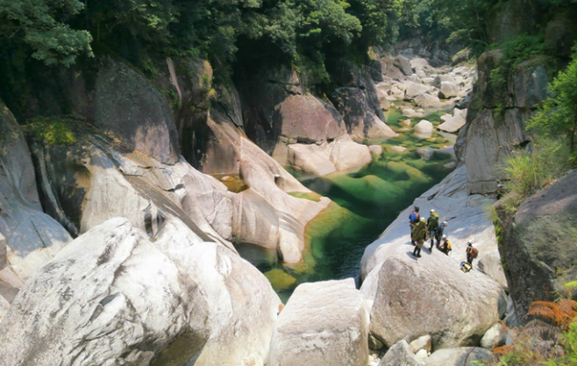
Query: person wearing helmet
413,220
472,252
440,231
445,245
420,235
432,226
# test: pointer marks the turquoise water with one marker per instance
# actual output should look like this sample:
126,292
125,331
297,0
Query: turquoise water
366,201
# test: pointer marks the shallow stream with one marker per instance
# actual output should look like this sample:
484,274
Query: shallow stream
365,202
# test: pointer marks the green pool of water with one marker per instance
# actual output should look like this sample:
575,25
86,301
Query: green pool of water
365,202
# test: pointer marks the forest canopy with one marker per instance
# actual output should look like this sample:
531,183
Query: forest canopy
58,32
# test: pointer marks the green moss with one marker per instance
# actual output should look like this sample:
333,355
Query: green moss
280,280
233,182
52,130
311,196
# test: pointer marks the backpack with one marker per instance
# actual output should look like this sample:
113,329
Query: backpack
474,253
465,267
448,245
433,221
414,217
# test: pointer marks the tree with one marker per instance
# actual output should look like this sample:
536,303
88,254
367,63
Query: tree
558,115
40,24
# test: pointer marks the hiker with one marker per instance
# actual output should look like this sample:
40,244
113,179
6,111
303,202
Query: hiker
500,191
413,220
432,226
472,252
420,235
440,230
445,246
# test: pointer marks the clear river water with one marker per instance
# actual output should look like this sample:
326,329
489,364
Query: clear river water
365,202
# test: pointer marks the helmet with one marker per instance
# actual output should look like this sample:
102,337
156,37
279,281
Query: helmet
470,242
499,185
423,219
432,210
417,208
444,236
445,223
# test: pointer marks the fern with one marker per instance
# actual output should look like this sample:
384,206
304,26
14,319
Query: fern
558,314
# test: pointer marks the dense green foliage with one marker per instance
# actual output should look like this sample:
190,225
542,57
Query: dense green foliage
558,115
41,24
58,32
527,171
570,346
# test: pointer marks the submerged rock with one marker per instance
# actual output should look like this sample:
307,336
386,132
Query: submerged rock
323,323
115,296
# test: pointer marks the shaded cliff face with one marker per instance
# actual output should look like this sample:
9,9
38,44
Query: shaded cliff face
539,244
497,116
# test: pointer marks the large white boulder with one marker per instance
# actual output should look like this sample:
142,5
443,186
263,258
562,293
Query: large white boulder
324,158
403,64
414,89
113,296
323,323
427,100
459,307
448,90
424,129
454,123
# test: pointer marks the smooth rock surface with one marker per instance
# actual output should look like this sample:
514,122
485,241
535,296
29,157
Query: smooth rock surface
448,90
399,354
376,149
424,128
199,300
129,107
454,123
459,307
420,343
495,337
323,323
463,356
490,264
403,64
426,101
32,238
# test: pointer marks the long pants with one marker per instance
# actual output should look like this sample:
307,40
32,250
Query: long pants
417,251
433,235
470,259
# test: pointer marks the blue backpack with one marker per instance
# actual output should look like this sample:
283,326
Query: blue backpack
414,217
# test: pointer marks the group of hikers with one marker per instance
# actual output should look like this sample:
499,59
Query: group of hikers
422,230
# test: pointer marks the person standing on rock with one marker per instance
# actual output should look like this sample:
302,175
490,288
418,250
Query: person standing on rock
472,252
413,221
420,235
432,226
440,230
